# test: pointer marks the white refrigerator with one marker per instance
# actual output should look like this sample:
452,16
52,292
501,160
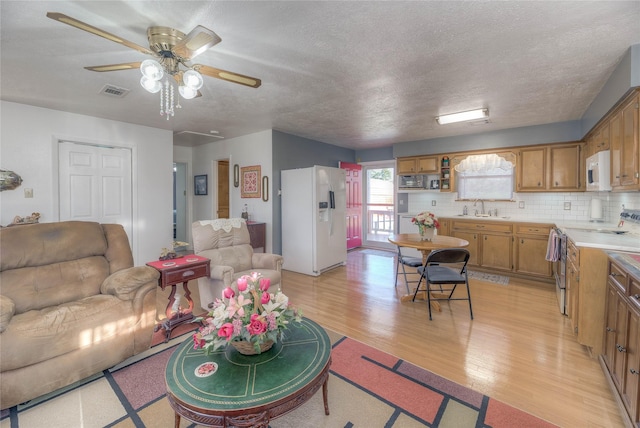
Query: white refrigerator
314,225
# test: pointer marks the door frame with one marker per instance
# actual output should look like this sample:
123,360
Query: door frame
366,166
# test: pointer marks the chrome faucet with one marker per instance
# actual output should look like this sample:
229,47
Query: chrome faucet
482,205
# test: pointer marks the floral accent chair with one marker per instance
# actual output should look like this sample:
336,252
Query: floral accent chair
226,243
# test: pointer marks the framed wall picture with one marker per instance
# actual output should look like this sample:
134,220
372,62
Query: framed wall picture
200,184
250,181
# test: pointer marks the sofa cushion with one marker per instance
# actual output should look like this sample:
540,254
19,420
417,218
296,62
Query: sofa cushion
33,288
57,330
7,309
238,257
205,237
47,243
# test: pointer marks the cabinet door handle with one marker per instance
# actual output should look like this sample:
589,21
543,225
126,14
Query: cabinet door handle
621,348
636,296
610,330
187,273
634,371
522,241
614,274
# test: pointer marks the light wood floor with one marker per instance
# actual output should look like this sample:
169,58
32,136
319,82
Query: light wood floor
518,349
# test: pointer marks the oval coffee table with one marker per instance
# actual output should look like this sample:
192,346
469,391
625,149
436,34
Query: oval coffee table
227,388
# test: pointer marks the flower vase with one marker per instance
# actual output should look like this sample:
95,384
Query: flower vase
426,233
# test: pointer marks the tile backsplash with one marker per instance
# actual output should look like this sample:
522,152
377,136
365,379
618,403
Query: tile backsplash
572,206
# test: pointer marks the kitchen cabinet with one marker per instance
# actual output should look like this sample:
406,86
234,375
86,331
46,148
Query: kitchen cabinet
586,292
530,248
446,175
418,165
621,353
625,157
490,244
531,173
445,226
566,167
551,168
598,140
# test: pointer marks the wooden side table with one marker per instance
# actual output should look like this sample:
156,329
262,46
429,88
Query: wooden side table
258,235
173,272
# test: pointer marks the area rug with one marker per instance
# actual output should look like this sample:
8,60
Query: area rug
367,388
488,277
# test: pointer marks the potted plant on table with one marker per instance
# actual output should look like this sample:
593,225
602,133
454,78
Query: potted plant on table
427,222
251,322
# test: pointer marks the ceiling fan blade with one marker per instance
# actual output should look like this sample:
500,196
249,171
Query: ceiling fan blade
98,32
115,67
197,41
227,75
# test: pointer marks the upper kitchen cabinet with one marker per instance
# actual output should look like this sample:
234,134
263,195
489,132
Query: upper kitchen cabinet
625,157
550,168
418,165
565,167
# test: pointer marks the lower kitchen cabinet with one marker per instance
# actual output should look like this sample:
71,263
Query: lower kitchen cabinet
621,353
530,248
586,294
490,244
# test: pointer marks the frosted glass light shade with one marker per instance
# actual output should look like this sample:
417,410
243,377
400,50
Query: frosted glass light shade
151,69
150,85
192,79
464,116
187,93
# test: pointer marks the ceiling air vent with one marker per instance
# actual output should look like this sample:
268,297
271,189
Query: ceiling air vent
114,91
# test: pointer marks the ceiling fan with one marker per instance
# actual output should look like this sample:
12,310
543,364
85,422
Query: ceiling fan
171,49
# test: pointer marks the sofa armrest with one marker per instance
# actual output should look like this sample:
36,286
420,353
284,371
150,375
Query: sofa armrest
7,309
222,273
266,261
126,283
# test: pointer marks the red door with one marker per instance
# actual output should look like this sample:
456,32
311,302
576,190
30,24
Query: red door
354,204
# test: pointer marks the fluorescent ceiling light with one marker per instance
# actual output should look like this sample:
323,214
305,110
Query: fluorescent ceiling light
481,113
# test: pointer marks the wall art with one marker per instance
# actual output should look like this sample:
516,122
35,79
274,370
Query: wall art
250,180
200,184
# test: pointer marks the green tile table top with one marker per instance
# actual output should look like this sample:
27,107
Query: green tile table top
227,382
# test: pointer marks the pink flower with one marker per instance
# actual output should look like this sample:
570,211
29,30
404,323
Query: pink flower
242,284
198,341
256,326
265,283
226,331
228,293
265,298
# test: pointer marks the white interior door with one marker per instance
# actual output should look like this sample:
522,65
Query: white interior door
95,184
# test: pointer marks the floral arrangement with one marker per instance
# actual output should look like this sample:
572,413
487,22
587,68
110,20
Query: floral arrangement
255,315
426,219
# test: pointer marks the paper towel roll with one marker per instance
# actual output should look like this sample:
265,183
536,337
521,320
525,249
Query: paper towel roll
596,209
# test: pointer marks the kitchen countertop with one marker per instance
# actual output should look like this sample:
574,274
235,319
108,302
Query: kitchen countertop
582,233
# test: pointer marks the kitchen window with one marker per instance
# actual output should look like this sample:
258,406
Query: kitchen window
486,176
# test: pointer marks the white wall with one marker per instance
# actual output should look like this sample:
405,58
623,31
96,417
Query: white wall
249,150
28,137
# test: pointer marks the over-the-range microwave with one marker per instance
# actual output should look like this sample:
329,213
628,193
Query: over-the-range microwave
598,172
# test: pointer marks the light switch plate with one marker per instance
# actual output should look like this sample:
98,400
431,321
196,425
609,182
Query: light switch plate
433,203
28,193
521,204
567,205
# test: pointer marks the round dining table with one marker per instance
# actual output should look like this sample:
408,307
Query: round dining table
414,240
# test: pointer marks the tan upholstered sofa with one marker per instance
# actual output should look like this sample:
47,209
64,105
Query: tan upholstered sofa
71,305
227,243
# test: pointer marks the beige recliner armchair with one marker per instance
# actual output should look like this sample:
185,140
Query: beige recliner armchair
227,243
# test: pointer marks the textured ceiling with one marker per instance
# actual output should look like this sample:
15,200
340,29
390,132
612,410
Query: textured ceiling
356,74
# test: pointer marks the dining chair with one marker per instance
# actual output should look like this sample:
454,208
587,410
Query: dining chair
445,268
412,262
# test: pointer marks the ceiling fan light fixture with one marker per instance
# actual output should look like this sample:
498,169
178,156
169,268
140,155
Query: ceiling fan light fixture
481,113
186,92
150,85
192,79
152,69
